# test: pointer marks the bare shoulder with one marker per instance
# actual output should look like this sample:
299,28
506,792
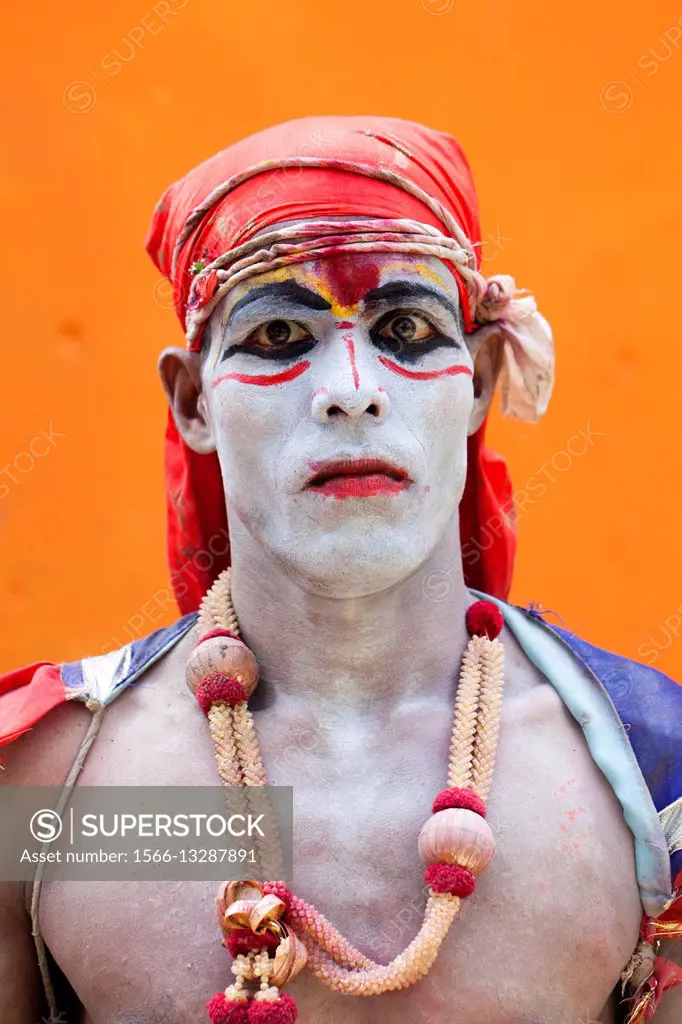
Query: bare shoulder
526,684
43,755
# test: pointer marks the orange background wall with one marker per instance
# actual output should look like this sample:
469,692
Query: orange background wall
570,115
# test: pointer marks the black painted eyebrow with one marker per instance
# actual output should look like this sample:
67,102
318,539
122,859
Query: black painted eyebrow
291,290
408,290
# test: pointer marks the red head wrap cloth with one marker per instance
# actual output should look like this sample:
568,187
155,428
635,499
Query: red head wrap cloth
198,546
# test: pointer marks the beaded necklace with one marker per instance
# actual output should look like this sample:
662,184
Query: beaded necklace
272,933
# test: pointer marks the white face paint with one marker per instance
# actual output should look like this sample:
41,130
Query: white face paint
350,358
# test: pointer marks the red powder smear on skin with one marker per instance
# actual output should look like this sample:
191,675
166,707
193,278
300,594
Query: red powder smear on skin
265,379
449,371
350,346
573,813
579,844
344,325
350,278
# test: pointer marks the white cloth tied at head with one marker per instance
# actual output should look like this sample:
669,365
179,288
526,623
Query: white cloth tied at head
527,373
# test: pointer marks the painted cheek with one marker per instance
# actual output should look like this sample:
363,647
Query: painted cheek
447,371
265,379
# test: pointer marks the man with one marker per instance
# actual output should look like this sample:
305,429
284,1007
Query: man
343,350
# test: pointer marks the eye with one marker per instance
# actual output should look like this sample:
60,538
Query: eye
406,328
276,335
408,335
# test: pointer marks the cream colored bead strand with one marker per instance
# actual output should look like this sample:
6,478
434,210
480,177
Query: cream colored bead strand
472,753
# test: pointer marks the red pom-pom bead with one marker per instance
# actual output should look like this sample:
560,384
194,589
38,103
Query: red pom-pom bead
280,890
458,797
483,618
281,1011
226,1011
452,878
244,941
216,687
218,631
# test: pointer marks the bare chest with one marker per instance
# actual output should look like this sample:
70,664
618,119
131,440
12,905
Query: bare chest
543,939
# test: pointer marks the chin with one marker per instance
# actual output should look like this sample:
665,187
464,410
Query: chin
357,562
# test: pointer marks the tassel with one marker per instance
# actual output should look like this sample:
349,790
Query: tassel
273,1011
227,1011
643,1011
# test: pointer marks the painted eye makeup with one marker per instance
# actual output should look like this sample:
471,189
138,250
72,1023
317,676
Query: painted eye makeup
275,339
409,335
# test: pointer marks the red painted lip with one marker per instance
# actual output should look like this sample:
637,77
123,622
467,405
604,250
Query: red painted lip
357,478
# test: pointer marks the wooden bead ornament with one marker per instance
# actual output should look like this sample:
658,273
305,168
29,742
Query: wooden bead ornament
457,836
226,656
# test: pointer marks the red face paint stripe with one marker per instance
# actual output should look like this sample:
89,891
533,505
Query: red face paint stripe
344,325
350,345
449,371
264,379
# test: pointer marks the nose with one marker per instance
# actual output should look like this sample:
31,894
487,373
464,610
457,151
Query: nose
350,389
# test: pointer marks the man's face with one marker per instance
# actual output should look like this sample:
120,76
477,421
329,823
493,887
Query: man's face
339,394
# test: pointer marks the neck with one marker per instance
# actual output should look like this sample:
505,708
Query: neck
360,652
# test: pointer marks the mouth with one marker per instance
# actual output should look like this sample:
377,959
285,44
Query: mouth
357,478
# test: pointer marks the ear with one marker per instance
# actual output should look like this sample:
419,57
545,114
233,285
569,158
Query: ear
180,373
486,351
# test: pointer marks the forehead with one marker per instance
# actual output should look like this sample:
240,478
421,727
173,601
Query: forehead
344,279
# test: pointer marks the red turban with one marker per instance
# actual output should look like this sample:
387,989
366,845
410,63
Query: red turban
198,546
